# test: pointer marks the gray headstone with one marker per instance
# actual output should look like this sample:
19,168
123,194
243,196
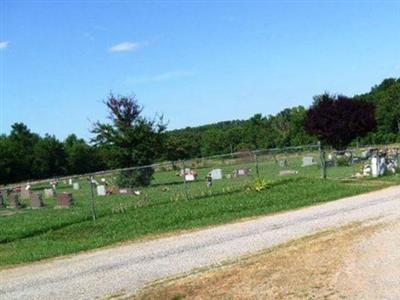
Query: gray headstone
2,201
13,201
287,173
126,191
308,161
36,200
282,163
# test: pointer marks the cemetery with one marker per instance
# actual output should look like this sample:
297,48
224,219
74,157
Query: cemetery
61,209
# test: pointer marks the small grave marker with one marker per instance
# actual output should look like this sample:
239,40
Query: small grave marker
190,177
76,186
64,200
308,161
36,200
70,181
25,192
126,191
2,201
216,174
282,163
101,190
241,172
287,173
49,193
13,201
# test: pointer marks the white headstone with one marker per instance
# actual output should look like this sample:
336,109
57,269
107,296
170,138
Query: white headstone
190,177
185,171
375,166
70,181
308,161
76,186
101,190
49,193
216,174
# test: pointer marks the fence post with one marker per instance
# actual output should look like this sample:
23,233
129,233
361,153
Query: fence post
93,201
322,160
257,170
184,180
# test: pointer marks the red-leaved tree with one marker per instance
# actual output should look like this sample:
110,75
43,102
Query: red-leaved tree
338,120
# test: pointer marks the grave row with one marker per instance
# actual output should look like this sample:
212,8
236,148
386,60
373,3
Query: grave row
63,200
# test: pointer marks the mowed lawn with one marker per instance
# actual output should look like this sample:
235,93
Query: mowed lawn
28,235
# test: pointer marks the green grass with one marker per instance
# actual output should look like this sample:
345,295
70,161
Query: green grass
30,235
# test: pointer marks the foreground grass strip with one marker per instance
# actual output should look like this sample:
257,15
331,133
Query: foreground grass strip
44,234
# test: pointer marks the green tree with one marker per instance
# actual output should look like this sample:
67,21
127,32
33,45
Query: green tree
50,158
81,157
132,139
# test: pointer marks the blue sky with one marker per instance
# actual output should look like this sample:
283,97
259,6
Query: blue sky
194,62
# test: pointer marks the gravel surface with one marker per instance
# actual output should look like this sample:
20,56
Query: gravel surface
373,271
125,269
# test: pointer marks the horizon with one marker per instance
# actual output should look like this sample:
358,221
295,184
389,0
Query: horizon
58,61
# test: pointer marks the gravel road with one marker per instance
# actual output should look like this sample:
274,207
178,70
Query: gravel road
124,269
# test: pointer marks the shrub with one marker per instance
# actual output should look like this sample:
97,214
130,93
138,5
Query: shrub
136,177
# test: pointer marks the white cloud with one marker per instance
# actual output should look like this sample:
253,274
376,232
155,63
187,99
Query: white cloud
161,77
398,67
4,45
124,47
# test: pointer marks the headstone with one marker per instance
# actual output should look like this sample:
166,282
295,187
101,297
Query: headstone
391,167
13,201
308,161
241,172
70,181
365,154
36,200
367,170
375,166
64,200
382,166
101,190
49,193
185,171
76,186
190,177
287,173
216,174
2,201
282,163
126,191
25,192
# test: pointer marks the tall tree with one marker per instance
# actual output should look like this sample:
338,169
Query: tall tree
132,139
337,120
49,158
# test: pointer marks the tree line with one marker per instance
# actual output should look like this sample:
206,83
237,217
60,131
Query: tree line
129,139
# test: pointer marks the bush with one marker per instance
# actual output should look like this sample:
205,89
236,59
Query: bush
258,185
135,178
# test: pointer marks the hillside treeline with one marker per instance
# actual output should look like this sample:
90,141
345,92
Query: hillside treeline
26,155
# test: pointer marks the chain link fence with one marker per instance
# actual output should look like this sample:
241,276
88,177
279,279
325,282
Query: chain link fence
202,177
